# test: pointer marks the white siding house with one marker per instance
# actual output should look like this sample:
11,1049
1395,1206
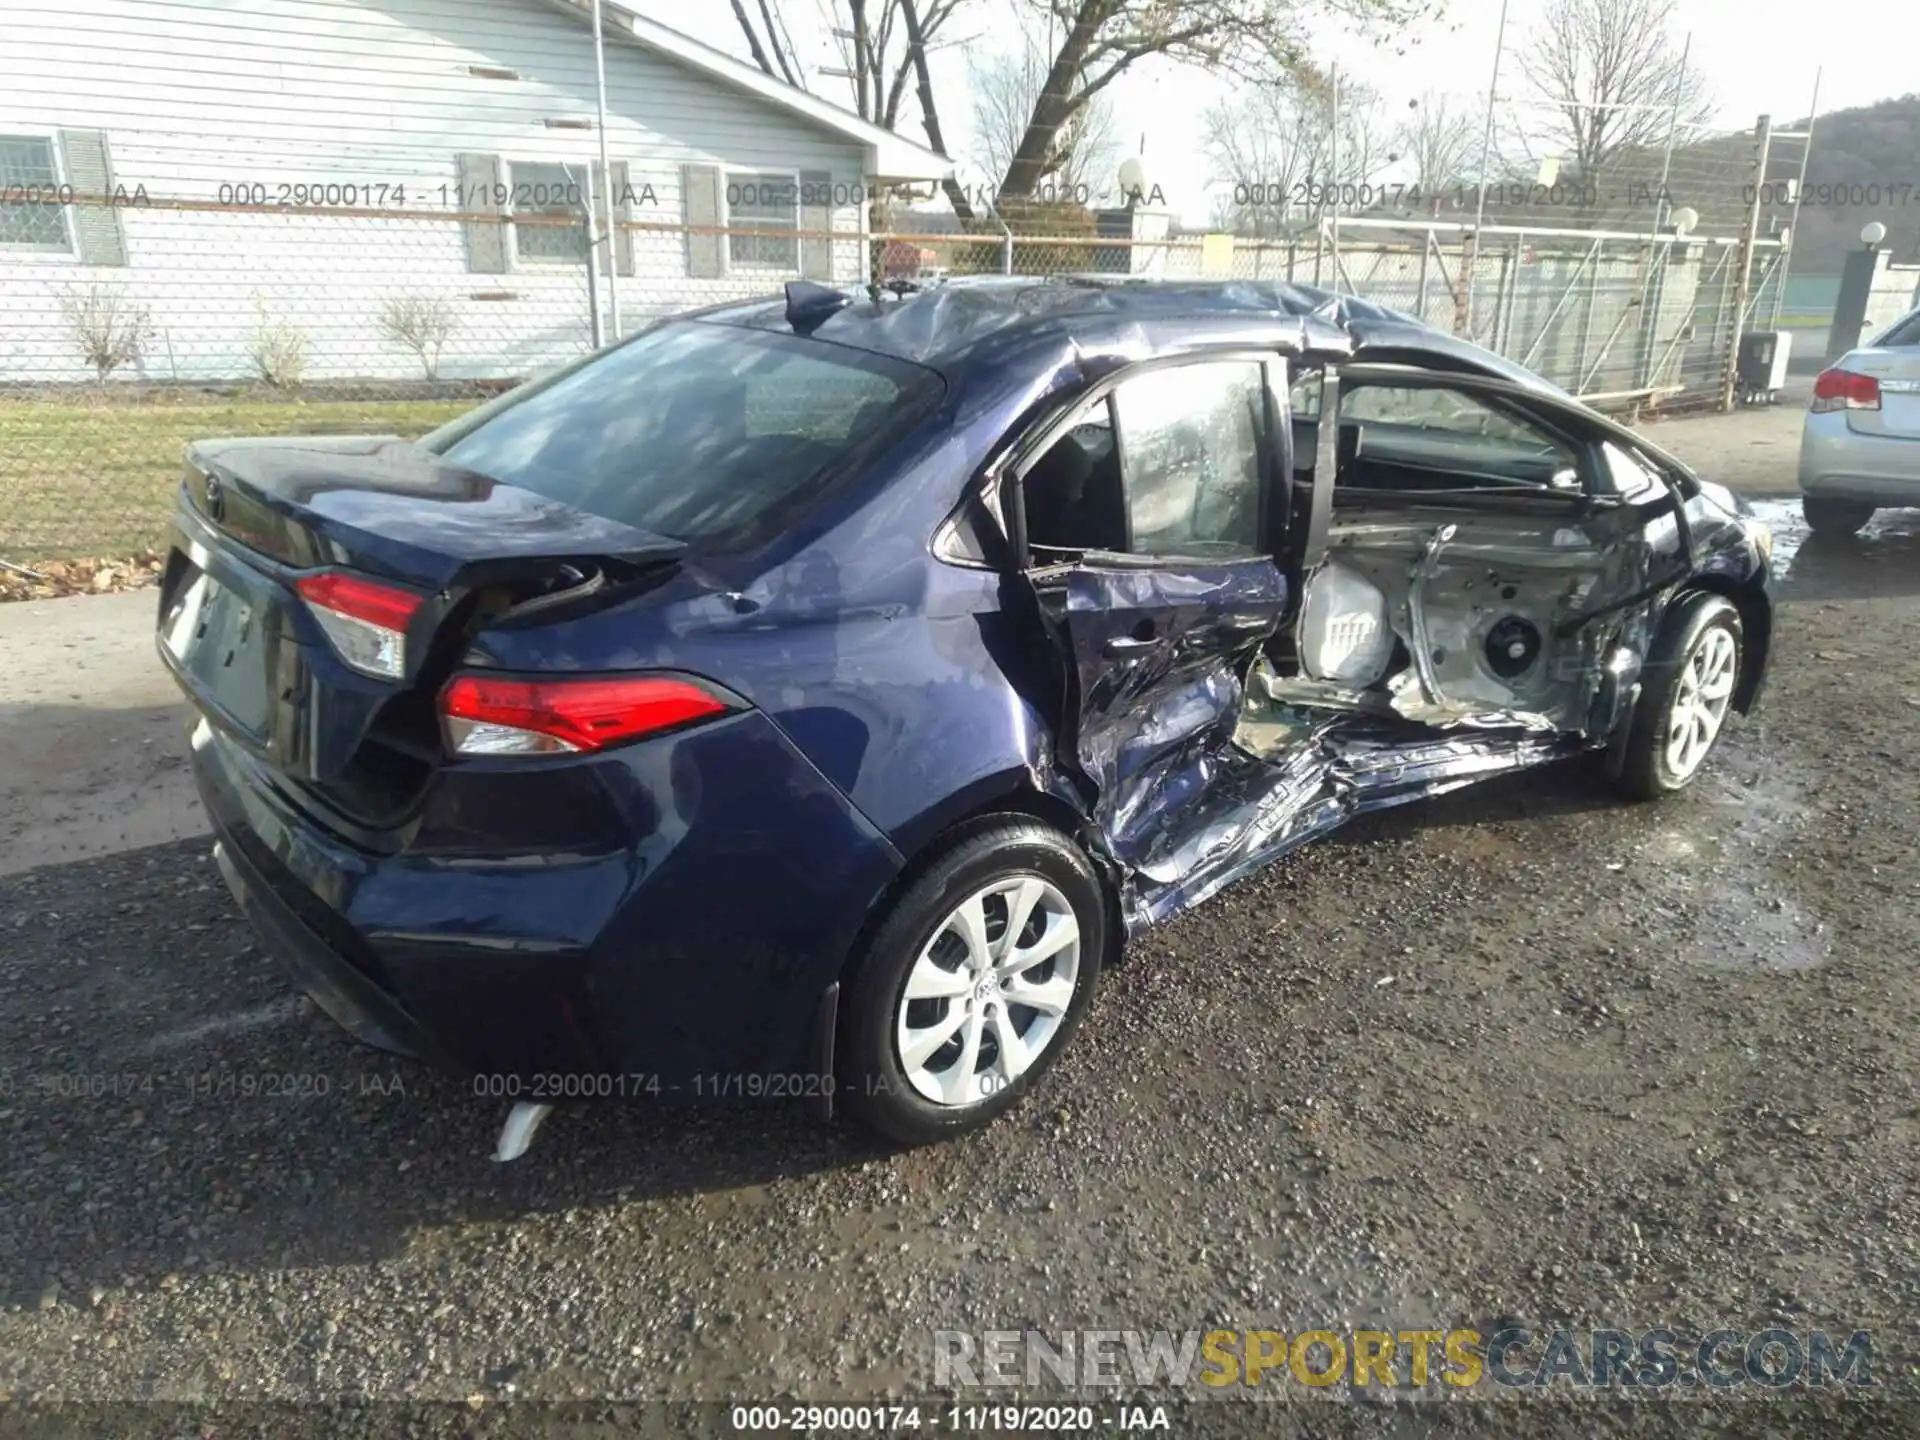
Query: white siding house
298,165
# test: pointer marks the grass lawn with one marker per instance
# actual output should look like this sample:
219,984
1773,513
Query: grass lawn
96,478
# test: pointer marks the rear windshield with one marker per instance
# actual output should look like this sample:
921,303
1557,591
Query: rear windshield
702,432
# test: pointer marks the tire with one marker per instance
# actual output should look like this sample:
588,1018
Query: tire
1835,517
891,1073
1658,762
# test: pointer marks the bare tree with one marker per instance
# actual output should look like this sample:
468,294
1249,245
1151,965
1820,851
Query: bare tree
883,46
877,48
1612,79
1094,43
1262,145
769,43
1100,40
1439,143
1273,145
420,323
110,330
919,44
1005,86
1365,138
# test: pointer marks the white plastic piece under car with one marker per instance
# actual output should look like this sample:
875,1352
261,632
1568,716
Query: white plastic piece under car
1344,634
517,1134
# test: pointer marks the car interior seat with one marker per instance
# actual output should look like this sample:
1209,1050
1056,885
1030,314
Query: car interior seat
1073,500
1052,490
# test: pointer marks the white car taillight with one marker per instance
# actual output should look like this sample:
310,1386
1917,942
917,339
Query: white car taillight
365,621
486,715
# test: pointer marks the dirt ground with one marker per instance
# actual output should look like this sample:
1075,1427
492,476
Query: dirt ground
1522,1053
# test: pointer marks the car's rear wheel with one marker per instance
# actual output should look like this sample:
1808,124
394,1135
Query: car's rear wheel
1834,517
972,983
1692,674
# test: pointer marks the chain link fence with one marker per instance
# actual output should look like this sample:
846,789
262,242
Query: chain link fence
1625,321
262,319
139,318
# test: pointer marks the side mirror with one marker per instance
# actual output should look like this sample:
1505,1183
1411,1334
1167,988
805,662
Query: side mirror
1564,480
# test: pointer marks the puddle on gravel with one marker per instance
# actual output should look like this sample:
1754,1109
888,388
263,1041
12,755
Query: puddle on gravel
1706,877
1789,528
1890,533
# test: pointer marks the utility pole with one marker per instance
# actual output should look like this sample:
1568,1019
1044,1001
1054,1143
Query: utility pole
1486,160
1673,126
1799,186
606,177
596,334
1658,257
1333,171
1763,142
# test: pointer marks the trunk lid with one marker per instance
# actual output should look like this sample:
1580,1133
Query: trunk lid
387,507
1897,368
257,515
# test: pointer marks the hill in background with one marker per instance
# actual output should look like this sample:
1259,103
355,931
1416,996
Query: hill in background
1859,157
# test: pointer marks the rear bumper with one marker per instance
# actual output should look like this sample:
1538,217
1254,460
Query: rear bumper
348,996
689,958
1840,463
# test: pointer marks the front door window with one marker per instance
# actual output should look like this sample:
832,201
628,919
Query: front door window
1190,436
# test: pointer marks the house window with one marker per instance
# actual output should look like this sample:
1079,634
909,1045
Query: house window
763,202
548,190
27,168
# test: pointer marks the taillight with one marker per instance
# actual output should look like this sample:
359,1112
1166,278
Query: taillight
1838,389
365,620
489,716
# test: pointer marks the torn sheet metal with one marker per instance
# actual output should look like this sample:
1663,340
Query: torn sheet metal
1424,704
1157,658
1204,765
1201,765
1330,768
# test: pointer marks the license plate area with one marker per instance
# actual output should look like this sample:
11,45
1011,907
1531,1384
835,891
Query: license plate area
223,644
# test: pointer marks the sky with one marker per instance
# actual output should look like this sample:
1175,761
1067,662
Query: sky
1759,56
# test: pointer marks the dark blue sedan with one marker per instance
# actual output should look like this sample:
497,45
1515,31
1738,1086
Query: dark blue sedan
808,697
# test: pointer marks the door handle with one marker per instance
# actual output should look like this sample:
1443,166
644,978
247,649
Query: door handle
1123,645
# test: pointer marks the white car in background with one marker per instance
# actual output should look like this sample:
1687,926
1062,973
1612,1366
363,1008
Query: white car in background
1860,448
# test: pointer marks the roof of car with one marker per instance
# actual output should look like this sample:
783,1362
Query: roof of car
950,323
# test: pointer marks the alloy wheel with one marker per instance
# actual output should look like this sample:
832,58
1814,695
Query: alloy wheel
989,991
1700,700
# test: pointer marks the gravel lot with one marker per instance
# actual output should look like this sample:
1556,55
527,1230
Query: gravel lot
1521,1052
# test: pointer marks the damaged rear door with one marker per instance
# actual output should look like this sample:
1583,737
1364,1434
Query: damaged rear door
1149,520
